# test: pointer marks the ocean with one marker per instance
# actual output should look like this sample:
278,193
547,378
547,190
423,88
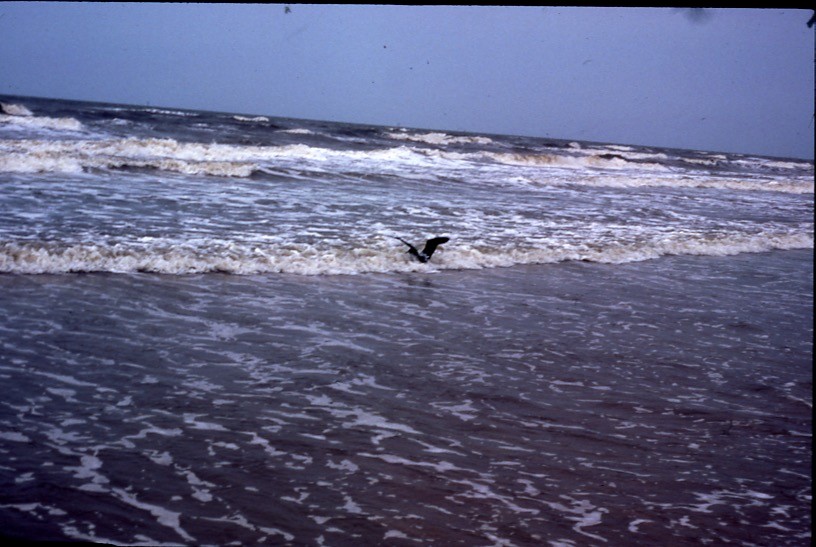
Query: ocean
210,335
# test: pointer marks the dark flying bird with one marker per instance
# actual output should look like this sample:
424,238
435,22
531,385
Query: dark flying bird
428,250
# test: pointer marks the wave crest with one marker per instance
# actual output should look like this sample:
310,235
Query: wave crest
17,115
204,256
163,154
42,122
439,138
15,109
230,160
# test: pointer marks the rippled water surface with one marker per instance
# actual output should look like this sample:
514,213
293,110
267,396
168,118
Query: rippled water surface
210,334
104,188
661,402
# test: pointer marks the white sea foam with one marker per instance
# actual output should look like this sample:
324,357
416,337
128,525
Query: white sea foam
171,112
15,109
32,156
167,256
615,171
438,466
396,534
192,420
583,513
251,119
14,436
314,363
792,186
163,516
368,419
297,131
164,154
18,116
75,156
439,138
604,161
634,526
24,121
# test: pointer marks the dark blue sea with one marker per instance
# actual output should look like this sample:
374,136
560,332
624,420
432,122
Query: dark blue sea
211,335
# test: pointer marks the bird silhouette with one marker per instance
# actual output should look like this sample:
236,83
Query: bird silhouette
427,251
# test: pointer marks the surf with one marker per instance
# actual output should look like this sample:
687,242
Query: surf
210,255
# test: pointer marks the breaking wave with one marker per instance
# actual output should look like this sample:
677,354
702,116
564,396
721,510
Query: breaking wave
600,160
439,138
793,186
163,154
15,110
18,116
228,160
251,119
165,256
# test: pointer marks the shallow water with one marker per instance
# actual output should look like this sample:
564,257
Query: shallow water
666,401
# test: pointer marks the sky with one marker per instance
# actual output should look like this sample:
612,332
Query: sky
729,80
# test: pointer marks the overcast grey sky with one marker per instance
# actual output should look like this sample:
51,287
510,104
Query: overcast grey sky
737,80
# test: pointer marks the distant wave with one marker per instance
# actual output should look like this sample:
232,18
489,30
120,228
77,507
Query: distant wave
171,112
251,119
20,116
166,256
439,138
614,171
601,160
78,156
620,169
792,186
74,156
15,110
297,131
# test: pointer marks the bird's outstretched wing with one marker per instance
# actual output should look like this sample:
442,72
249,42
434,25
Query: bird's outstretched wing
411,248
432,244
